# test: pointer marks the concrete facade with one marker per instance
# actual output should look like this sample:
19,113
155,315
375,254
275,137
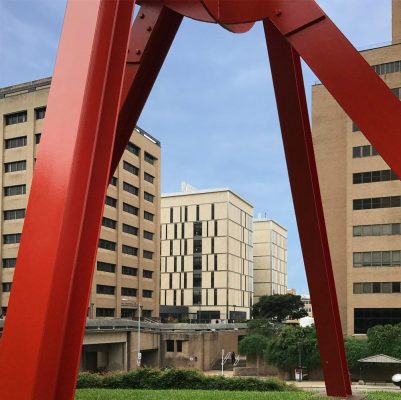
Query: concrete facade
269,258
206,254
127,265
361,201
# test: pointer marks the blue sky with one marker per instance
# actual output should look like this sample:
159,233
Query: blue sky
212,107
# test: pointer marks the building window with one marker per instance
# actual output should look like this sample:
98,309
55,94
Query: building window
197,280
215,297
130,209
15,166
113,181
148,254
105,312
9,262
171,247
147,274
125,291
149,158
377,287
387,68
109,223
127,313
148,216
149,197
197,213
197,296
197,246
40,112
148,177
197,228
355,127
147,293
130,168
38,136
377,202
170,278
212,279
110,201
215,262
6,286
170,346
397,92
179,346
107,245
16,118
365,318
197,263
15,190
105,267
15,142
212,211
377,230
364,151
129,271
132,230
132,251
374,176
14,214
377,258
130,188
212,246
186,214
148,235
105,289
132,148
12,238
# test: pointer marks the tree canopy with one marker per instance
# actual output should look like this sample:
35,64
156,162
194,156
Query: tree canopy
385,339
279,307
253,345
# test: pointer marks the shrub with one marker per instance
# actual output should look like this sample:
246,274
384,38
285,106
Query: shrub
89,380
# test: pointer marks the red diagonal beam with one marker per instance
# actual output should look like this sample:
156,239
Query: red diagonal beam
298,146
40,347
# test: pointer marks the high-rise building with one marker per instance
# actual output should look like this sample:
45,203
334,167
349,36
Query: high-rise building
362,202
269,258
206,255
127,265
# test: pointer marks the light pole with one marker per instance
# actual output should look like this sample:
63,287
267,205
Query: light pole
300,360
139,357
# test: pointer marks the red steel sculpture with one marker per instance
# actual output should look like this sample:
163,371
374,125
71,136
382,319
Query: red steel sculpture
104,72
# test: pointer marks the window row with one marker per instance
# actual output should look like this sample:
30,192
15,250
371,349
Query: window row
377,230
12,238
365,318
125,312
112,202
377,287
14,214
125,291
387,68
377,202
374,176
22,116
364,151
14,190
15,166
133,251
377,258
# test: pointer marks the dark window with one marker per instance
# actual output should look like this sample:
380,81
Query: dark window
132,251
125,291
377,202
148,177
147,313
6,286
132,148
171,247
149,158
374,176
170,281
107,244
130,188
397,92
377,230
355,127
130,209
396,287
197,262
387,68
149,197
365,318
197,213
147,215
212,280
197,246
148,254
40,112
38,136
186,214
197,280
14,190
179,346
215,297
171,214
147,293
105,267
12,238
170,346
129,271
130,168
147,274
132,230
148,235
212,246
185,282
15,142
377,258
110,201
215,228
105,312
9,262
197,228
215,262
212,211
364,151
197,296
14,214
16,118
113,181
127,313
109,223
105,289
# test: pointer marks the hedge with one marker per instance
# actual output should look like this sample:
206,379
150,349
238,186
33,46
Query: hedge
147,378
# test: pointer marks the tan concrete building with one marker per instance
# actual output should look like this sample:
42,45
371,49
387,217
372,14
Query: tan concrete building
362,202
127,267
206,255
269,258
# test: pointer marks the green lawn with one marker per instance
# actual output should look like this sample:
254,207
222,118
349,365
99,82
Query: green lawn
126,394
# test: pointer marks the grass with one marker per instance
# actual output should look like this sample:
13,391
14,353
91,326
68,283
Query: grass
127,394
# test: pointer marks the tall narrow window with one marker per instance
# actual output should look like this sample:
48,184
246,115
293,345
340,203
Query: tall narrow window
197,213
212,211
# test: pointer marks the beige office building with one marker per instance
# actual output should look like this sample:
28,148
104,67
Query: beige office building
127,267
269,258
362,202
206,255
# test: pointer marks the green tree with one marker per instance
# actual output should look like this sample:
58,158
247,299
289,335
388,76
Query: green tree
284,350
278,307
355,350
385,339
253,345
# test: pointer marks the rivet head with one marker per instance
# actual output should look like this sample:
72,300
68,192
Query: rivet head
138,51
278,12
141,15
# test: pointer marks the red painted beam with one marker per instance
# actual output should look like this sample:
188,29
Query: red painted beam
40,347
298,146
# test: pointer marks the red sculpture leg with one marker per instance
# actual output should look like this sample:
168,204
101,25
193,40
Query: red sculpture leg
298,146
40,347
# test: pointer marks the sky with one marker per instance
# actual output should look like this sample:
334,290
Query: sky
212,106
